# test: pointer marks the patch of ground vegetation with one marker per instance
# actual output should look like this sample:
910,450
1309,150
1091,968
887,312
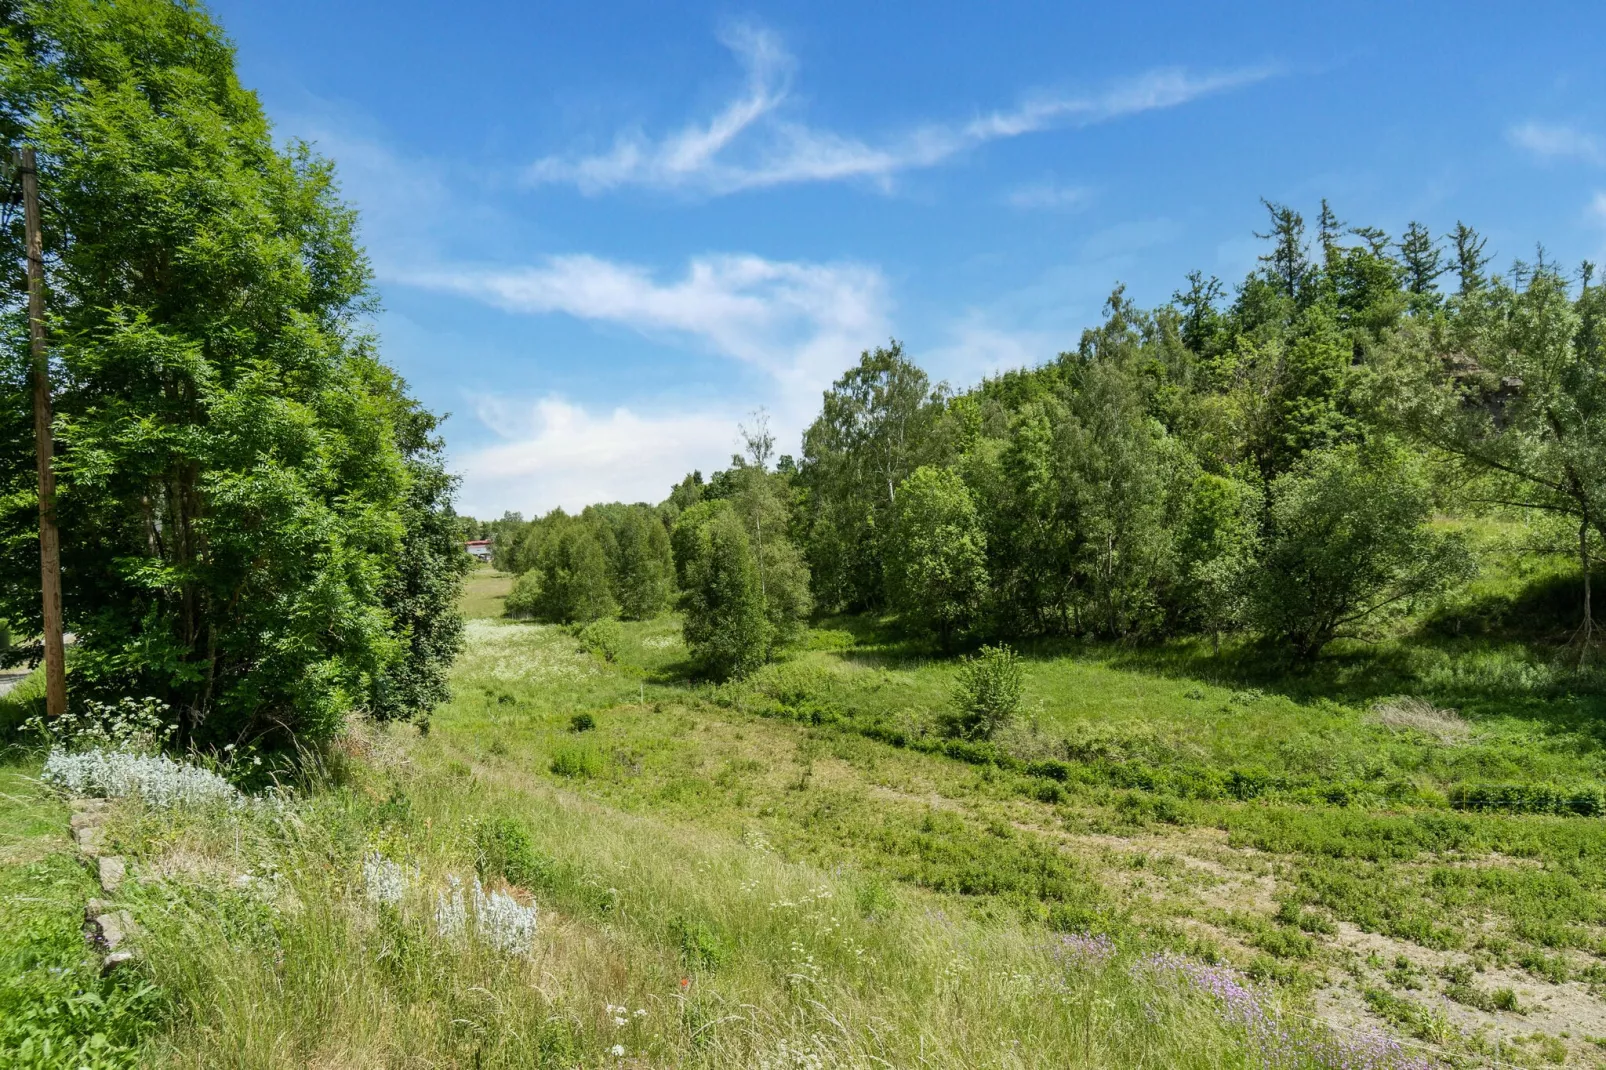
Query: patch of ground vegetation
800,868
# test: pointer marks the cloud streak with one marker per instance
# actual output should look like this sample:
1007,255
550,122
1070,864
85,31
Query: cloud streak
556,453
797,321
1554,141
752,142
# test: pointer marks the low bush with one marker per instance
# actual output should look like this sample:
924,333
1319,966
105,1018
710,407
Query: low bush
602,638
578,763
525,597
987,693
1529,799
502,850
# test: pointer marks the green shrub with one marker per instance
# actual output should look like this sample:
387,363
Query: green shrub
1529,799
1350,544
700,946
987,694
582,722
502,850
525,597
576,762
603,638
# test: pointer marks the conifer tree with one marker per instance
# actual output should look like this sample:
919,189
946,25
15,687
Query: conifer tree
1423,264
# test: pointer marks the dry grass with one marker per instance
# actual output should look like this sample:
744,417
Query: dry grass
1404,713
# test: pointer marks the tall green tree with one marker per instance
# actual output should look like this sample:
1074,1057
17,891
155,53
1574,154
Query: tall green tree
1470,259
762,499
575,584
254,510
1423,263
724,619
937,556
1349,544
1511,389
1217,549
1288,263
871,433
644,579
1116,470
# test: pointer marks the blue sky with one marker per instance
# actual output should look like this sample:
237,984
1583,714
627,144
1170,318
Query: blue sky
606,233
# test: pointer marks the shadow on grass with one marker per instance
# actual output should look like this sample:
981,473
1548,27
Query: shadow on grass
1512,666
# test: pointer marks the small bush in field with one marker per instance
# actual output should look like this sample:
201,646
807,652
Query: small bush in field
582,722
602,638
576,762
525,596
502,850
987,694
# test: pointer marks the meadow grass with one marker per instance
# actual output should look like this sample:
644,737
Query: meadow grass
1175,857
679,945
484,591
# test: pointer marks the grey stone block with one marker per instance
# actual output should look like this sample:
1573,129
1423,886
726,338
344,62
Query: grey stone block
112,872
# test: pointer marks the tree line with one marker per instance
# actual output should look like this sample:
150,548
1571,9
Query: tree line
1267,462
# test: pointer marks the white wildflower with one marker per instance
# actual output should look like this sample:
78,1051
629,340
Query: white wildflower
451,914
617,1051
385,882
504,923
156,778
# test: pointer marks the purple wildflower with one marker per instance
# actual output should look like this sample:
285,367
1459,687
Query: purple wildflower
1274,1043
1085,951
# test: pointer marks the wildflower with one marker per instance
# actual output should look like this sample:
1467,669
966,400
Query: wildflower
641,1012
385,882
1272,1040
1088,951
115,774
503,922
617,1051
451,914
685,982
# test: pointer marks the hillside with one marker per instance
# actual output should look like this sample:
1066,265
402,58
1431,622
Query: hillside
759,874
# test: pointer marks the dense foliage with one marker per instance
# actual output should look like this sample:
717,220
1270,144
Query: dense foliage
1277,465
257,522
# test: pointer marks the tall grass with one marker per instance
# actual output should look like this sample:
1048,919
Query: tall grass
737,957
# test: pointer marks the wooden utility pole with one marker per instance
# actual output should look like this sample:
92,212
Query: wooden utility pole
44,447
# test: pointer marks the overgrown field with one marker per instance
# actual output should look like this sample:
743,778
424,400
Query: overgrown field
1174,858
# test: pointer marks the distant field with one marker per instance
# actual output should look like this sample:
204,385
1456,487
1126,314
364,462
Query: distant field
484,591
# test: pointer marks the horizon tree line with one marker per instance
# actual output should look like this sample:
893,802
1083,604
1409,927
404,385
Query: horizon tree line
1267,464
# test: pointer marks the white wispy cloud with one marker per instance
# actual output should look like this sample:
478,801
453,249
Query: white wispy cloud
556,453
797,321
1048,195
752,141
1557,141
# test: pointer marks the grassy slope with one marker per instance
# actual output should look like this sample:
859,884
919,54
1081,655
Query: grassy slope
1375,912
775,885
